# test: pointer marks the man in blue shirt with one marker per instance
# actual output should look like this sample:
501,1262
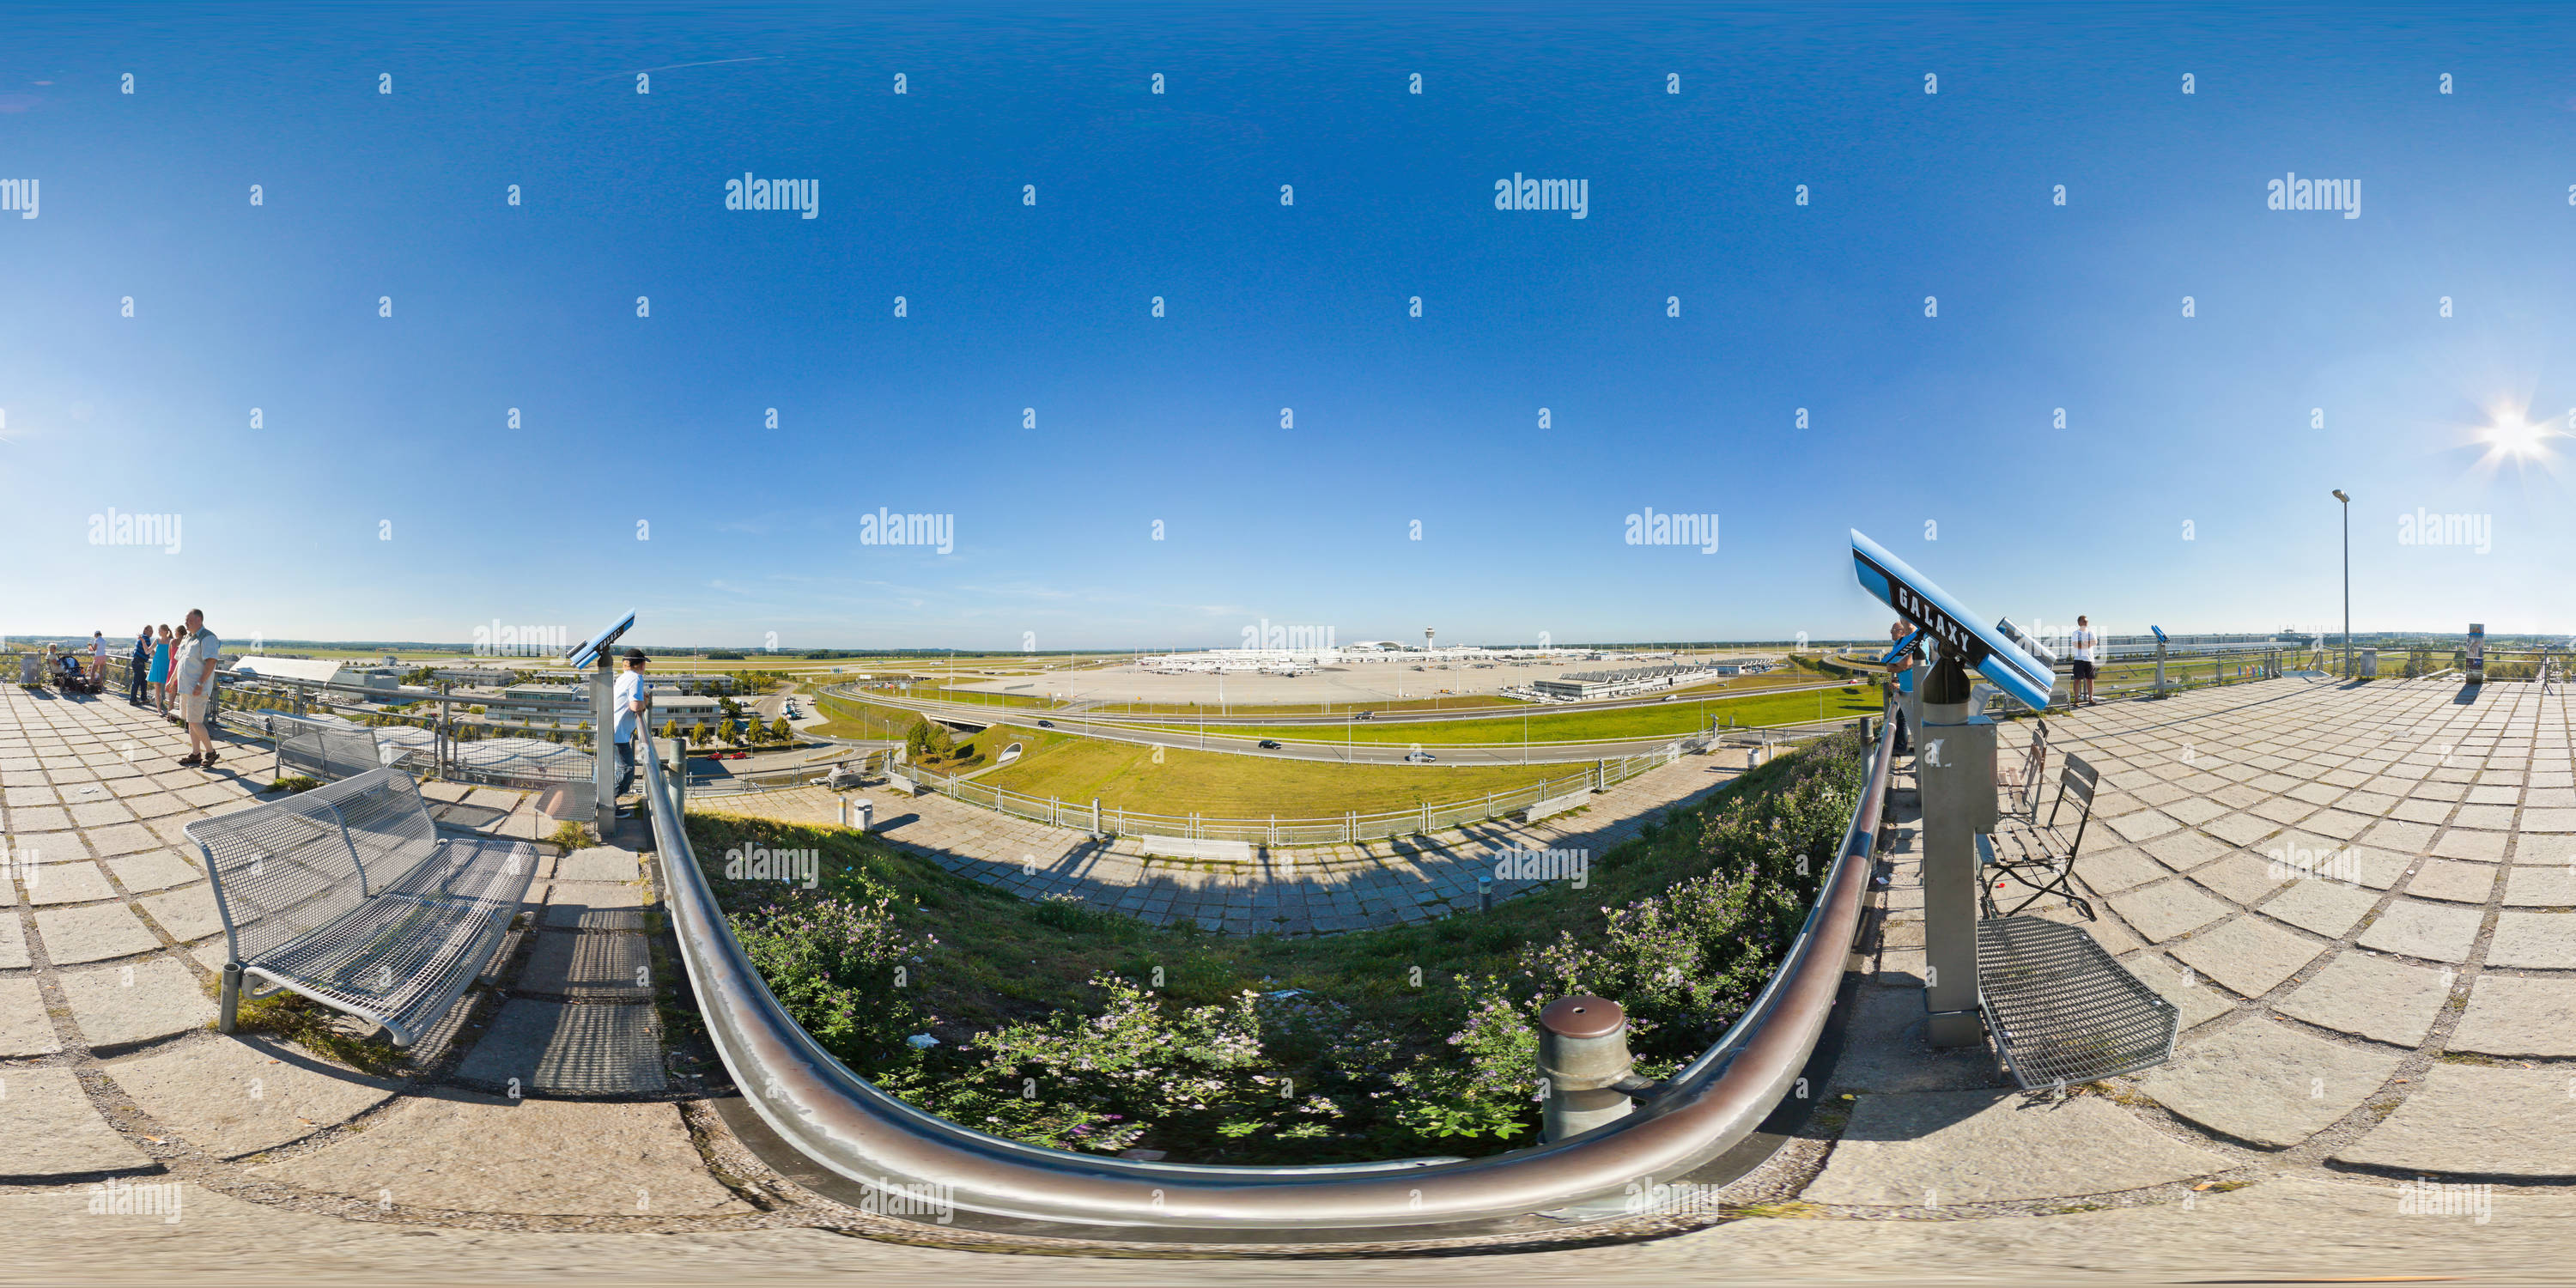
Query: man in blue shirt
1900,686
631,699
142,664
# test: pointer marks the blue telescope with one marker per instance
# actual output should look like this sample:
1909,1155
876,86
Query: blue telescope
1984,649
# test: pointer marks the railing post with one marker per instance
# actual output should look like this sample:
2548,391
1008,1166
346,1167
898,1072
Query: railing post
1583,1056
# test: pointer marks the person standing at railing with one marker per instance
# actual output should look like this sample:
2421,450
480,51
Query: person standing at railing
194,681
2083,640
161,669
632,700
98,658
1900,686
135,669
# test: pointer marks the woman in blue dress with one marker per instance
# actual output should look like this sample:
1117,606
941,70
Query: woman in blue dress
161,669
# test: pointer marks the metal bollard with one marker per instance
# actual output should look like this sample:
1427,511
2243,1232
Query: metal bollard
1583,1056
867,811
1484,892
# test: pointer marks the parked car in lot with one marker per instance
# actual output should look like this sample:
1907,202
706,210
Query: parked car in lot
1419,757
1269,744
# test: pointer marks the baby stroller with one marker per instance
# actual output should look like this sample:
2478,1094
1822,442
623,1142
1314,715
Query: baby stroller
74,679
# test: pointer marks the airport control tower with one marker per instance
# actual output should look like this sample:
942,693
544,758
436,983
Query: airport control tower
1427,634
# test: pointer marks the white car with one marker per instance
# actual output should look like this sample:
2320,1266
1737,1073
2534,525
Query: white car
1419,758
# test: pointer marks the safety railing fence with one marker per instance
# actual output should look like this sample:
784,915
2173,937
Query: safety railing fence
442,734
845,1125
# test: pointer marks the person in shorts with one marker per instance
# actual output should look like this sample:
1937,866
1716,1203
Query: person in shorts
192,676
631,700
2084,642
97,658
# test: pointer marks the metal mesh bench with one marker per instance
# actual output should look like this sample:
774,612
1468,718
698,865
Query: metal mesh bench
2062,1010
325,752
348,895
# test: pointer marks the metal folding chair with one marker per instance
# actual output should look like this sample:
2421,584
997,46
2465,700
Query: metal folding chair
2051,870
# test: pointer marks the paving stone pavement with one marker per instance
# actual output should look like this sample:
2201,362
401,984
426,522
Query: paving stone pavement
2318,1059
2353,893
1290,890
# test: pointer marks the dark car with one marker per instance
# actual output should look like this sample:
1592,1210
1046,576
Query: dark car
1368,715
1046,724
1269,744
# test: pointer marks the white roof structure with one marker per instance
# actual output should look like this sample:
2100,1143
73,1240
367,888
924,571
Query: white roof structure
319,670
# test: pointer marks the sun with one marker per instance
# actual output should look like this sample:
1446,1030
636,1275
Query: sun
2511,435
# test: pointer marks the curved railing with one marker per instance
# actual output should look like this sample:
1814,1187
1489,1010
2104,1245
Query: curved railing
845,1124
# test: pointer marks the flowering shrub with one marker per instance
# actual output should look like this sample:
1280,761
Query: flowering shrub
831,960
1103,1082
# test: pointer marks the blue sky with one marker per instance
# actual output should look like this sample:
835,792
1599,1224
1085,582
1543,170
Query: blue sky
373,425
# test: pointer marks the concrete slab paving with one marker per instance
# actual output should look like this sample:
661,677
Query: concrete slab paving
598,964
2373,997
2433,931
53,883
2249,955
475,1153
138,1002
153,870
2452,880
13,943
234,1096
2520,1015
2534,940
593,905
94,933
1924,1149
599,863
2198,1002
2160,912
2320,906
25,1030
2265,1083
576,1048
2479,1121
53,1131
2540,887
188,913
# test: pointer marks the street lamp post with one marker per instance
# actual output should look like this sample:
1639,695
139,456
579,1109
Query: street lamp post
2347,581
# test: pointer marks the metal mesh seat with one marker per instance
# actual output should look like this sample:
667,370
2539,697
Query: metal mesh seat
2063,1010
346,895
325,752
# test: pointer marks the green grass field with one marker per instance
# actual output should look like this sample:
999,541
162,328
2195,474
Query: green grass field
1664,719
1182,781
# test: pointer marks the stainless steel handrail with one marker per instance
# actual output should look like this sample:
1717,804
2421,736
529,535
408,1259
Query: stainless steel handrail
845,1124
